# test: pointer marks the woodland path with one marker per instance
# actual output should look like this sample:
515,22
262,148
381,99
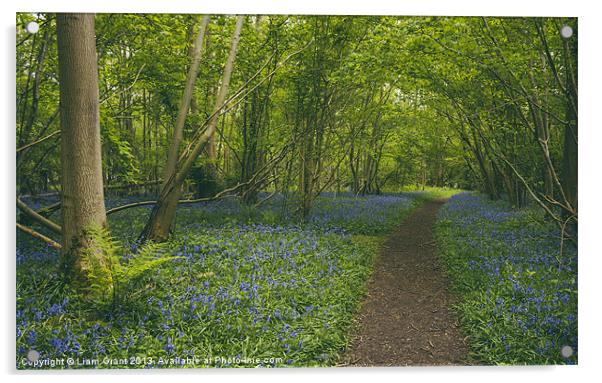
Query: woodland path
407,319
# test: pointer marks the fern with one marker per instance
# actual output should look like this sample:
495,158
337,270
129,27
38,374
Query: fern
99,262
149,257
108,279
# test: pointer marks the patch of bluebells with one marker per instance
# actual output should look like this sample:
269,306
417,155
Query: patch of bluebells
519,293
242,285
361,214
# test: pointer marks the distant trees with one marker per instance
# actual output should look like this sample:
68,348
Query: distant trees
162,216
508,89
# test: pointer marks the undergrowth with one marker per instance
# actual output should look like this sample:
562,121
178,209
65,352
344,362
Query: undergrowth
518,292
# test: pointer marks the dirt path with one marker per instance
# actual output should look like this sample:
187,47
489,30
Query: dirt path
406,318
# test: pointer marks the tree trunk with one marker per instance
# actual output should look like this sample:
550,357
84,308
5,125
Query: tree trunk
82,198
162,216
569,162
172,156
168,208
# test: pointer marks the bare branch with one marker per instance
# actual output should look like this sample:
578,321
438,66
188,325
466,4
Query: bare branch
38,141
39,236
37,217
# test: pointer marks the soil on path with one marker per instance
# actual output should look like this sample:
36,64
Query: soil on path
407,318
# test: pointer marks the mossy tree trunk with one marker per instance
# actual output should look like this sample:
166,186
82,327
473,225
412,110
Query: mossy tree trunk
82,197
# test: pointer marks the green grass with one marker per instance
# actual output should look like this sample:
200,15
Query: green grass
431,192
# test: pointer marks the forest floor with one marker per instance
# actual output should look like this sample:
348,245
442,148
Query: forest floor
407,318
253,282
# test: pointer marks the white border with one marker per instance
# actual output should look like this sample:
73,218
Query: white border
348,7
589,158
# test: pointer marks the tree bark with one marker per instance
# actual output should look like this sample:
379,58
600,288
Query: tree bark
569,162
82,197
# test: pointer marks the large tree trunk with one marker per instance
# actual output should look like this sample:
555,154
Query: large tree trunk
162,216
82,198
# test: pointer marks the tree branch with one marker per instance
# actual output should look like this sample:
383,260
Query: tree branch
38,218
39,236
38,141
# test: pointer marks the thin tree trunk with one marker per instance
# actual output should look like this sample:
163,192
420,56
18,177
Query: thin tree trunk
174,148
569,162
172,156
162,216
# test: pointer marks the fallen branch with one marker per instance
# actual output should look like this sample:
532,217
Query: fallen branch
183,201
46,211
37,217
40,236
130,205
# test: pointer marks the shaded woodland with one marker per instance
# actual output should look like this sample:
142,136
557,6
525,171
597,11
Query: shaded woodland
164,112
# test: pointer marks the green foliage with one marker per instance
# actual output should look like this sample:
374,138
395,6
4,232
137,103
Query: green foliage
271,217
108,279
205,180
147,258
99,264
120,157
375,102
430,192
